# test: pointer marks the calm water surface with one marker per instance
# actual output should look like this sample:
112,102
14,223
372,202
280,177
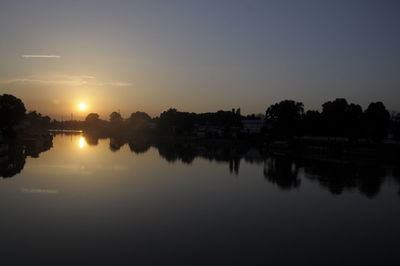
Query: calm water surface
107,204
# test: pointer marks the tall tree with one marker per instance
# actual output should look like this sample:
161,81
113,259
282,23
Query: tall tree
139,120
92,117
285,117
334,116
115,117
12,110
376,120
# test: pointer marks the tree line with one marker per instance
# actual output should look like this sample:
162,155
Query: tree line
337,118
14,118
284,119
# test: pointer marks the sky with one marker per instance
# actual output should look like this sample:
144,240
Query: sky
198,56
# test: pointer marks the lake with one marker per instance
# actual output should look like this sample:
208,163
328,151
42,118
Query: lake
105,202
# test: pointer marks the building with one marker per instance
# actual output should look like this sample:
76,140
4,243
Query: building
252,126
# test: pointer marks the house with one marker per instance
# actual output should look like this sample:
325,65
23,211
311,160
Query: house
208,131
252,126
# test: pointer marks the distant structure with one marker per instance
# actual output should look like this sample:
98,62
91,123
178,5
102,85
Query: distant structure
252,126
208,131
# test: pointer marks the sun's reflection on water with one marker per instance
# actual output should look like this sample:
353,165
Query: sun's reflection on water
81,142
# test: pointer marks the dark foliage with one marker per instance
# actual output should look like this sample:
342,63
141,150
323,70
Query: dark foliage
285,118
12,110
337,119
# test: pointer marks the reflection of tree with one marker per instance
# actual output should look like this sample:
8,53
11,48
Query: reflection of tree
338,177
370,180
168,152
116,144
396,176
173,152
91,139
234,165
13,162
138,146
36,146
187,152
283,172
254,156
334,176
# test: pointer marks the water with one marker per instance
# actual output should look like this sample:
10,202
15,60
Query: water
110,203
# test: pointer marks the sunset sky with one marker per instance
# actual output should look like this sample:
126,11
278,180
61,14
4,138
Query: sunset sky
197,55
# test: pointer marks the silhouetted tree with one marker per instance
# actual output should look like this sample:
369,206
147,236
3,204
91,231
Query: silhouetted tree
285,117
94,126
176,122
353,125
12,110
342,119
312,123
92,118
139,120
115,117
37,122
334,116
376,120
140,116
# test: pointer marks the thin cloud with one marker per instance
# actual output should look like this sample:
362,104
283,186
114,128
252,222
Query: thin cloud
119,84
41,56
39,190
73,80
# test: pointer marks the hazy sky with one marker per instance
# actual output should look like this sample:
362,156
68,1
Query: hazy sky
198,55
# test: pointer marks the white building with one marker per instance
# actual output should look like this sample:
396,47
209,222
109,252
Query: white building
253,126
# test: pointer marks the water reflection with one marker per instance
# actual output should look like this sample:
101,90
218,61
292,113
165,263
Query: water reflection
12,162
285,172
139,145
81,142
91,140
396,176
282,172
340,177
116,144
13,157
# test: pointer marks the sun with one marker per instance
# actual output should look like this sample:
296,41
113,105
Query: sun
82,106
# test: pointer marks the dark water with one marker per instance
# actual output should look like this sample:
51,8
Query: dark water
103,202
